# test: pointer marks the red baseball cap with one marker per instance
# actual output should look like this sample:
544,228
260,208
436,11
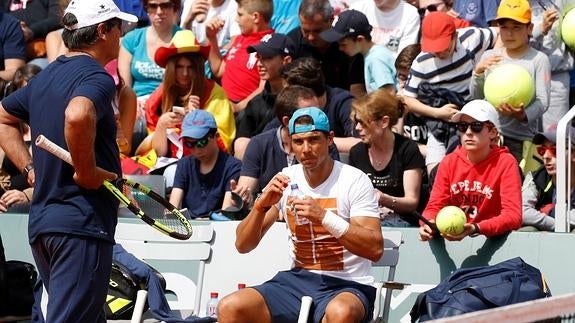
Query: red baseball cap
437,30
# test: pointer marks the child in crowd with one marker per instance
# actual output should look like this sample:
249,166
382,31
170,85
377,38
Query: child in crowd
479,177
353,33
539,191
518,124
238,69
203,177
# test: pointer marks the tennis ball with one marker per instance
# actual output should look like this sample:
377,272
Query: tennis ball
450,220
509,83
568,29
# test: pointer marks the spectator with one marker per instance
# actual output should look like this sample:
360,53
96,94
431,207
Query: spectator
340,71
13,51
125,106
337,215
37,19
285,18
336,103
480,13
136,66
427,6
352,33
539,187
270,151
546,37
273,52
237,69
410,124
443,69
185,86
395,22
203,176
54,43
518,124
392,162
70,103
196,14
479,177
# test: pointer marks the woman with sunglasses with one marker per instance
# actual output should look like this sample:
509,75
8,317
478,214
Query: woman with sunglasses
479,177
185,88
203,178
392,162
538,190
427,6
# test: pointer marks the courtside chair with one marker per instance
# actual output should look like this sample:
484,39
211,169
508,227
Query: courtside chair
146,243
392,240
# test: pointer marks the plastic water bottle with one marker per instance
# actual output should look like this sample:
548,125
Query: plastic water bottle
241,286
212,306
296,193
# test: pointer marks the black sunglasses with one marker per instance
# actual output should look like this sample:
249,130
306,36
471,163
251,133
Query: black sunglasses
162,5
476,126
200,143
430,8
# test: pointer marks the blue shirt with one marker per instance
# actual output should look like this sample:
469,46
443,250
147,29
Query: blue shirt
11,39
285,17
59,205
204,193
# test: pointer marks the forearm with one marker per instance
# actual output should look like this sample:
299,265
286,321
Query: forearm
13,145
416,106
160,141
344,144
215,59
364,241
251,230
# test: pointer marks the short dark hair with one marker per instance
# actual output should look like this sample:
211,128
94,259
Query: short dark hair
309,8
85,36
305,71
287,100
407,55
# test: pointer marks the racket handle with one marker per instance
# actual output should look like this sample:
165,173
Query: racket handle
139,306
304,309
54,149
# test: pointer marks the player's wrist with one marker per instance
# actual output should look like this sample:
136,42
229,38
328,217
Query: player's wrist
475,230
27,169
259,207
334,224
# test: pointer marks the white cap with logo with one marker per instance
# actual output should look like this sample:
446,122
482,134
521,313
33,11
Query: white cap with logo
90,12
479,110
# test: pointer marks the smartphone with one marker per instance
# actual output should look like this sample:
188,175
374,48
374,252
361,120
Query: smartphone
179,110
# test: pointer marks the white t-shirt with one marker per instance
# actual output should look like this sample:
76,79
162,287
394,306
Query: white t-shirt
394,29
347,192
227,11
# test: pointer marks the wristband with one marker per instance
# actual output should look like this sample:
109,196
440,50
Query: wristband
334,224
258,207
475,232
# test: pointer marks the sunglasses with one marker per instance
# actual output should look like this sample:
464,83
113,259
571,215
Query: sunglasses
162,5
200,143
430,8
551,149
476,126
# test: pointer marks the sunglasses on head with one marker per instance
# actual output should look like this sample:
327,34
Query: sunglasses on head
551,149
430,8
476,126
200,143
162,5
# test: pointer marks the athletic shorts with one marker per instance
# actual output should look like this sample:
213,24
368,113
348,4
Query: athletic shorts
284,291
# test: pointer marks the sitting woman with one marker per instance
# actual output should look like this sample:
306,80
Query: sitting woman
392,162
185,88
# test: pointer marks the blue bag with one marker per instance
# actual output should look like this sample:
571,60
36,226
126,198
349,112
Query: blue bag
478,288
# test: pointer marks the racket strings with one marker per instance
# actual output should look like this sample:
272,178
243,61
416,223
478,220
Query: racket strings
154,209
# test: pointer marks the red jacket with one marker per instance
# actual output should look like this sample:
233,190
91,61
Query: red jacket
489,192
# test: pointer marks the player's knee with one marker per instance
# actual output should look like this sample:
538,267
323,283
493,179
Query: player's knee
339,310
228,307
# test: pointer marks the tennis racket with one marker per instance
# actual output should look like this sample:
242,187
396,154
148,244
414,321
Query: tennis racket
161,214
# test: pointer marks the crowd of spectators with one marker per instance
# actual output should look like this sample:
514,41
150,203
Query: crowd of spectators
391,75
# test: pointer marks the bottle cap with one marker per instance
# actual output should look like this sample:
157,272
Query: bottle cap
213,295
294,186
241,286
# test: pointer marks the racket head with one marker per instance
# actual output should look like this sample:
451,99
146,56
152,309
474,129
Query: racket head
152,208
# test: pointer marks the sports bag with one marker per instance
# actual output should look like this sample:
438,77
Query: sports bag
478,288
17,288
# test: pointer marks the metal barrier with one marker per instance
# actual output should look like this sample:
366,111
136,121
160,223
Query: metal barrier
563,185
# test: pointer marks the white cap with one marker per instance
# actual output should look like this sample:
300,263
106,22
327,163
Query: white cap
93,12
479,110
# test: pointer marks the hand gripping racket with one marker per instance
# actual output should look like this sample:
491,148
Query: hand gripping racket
161,215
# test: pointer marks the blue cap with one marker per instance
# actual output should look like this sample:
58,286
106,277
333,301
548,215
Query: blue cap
197,124
320,121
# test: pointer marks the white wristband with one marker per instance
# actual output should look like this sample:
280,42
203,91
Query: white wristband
334,224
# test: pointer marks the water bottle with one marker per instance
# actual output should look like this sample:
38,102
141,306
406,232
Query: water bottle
241,286
212,306
296,193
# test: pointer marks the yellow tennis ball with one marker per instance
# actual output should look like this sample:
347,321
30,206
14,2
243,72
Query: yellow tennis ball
451,220
509,83
568,29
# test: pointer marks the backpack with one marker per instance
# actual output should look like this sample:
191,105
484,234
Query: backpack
478,288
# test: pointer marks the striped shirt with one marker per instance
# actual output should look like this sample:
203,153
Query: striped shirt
453,73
